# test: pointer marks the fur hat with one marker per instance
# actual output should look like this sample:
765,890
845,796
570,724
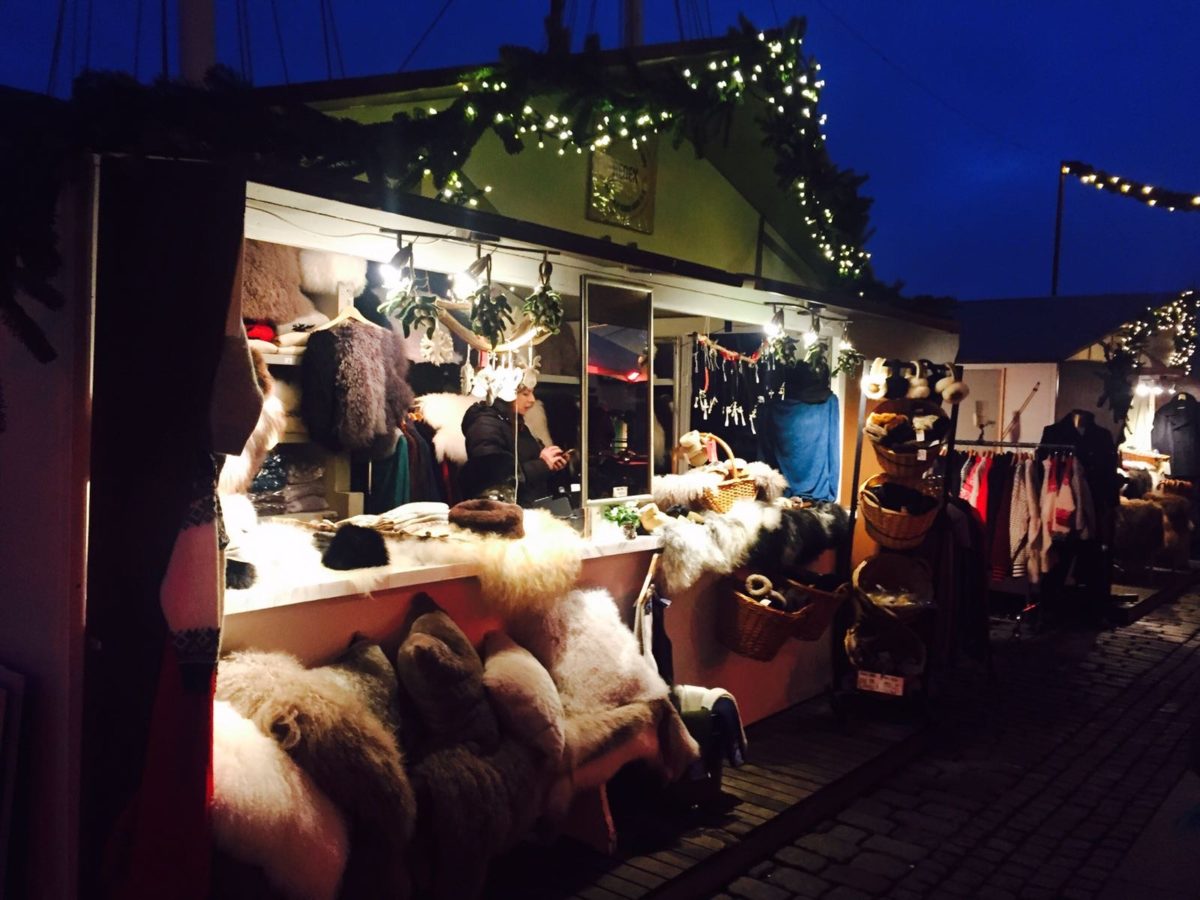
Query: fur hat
489,517
949,387
918,380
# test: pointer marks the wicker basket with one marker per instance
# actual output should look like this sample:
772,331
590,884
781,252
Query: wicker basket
814,618
875,633
901,465
751,629
893,572
891,528
738,486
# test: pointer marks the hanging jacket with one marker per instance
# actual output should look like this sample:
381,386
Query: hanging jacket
1176,432
1095,450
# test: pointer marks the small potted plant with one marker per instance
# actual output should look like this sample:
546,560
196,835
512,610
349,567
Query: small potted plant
625,515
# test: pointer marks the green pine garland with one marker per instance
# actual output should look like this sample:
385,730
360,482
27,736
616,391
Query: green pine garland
594,105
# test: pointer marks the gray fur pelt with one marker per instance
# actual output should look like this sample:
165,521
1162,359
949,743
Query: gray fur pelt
351,755
720,544
751,533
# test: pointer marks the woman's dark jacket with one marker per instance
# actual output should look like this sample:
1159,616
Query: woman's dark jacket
488,429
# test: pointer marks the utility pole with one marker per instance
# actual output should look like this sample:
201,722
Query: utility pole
197,39
1062,177
631,23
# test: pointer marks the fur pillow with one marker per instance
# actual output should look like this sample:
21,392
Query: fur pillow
442,675
352,756
271,283
321,272
524,696
266,811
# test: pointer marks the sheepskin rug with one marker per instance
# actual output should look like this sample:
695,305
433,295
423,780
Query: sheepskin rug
321,272
687,489
353,757
267,811
765,535
610,693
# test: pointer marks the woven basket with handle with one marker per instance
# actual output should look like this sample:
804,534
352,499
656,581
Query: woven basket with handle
750,628
737,486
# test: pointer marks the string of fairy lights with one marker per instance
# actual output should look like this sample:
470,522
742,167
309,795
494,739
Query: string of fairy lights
1179,320
1164,198
593,112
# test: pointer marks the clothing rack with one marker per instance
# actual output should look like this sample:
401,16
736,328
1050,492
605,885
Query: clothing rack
1018,445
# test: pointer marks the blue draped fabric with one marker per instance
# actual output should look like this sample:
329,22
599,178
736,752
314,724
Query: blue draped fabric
801,441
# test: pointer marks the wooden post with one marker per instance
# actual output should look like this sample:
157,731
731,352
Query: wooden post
1062,176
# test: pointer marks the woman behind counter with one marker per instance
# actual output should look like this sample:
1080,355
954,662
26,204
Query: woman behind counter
488,428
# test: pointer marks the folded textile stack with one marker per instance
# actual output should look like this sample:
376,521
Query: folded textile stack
421,520
288,484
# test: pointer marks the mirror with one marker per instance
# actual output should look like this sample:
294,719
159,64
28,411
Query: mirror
619,422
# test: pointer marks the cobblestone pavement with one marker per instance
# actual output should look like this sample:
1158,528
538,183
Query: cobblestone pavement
1035,785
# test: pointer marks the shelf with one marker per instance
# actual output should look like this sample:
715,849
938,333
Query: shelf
558,379
282,359
294,437
303,516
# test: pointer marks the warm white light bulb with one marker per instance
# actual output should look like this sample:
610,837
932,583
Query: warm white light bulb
810,338
463,284
396,278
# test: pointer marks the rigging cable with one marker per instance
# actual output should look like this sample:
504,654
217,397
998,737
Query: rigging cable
325,40
424,35
591,26
87,44
912,79
679,20
337,40
166,62
57,48
279,40
137,42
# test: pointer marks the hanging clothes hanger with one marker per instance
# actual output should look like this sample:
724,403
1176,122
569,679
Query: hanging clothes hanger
348,314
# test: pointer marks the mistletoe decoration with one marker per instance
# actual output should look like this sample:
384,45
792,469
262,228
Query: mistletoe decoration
544,307
490,314
848,360
414,309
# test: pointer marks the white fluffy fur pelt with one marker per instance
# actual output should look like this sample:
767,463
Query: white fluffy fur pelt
532,572
721,544
444,413
685,489
611,694
267,811
321,272
688,488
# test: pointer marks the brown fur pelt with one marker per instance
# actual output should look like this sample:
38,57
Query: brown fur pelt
1138,535
351,755
1177,528
271,283
239,471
